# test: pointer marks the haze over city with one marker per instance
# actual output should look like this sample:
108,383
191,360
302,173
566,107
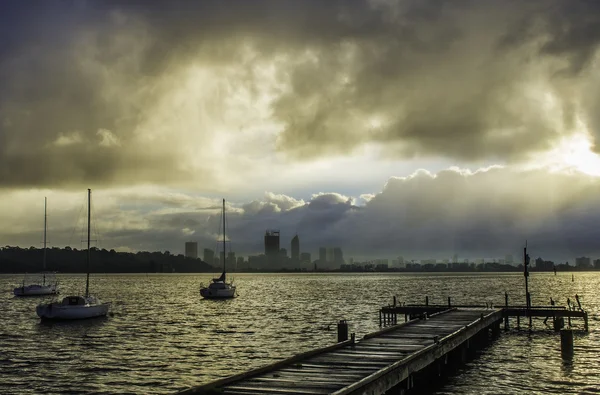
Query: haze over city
387,128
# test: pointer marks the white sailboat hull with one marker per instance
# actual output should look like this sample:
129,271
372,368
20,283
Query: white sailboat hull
61,311
223,293
35,290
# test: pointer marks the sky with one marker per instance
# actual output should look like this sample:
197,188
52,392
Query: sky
410,128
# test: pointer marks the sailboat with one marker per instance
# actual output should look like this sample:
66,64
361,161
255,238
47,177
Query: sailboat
219,288
49,285
76,307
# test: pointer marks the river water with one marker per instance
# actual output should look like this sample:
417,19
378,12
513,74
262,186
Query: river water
161,336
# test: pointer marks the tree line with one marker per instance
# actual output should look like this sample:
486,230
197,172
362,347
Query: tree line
72,260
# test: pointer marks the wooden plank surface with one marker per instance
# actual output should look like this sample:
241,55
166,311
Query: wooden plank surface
342,369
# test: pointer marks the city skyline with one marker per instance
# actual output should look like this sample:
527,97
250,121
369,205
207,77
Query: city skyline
333,257
381,127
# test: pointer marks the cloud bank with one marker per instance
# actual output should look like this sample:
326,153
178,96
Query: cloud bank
488,213
115,93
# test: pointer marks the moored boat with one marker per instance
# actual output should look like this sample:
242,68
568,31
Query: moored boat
76,307
219,288
49,284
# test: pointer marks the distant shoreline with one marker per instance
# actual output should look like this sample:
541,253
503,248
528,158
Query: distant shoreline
19,260
217,270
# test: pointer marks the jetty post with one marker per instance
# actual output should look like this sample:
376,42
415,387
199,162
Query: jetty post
506,316
342,331
566,343
526,261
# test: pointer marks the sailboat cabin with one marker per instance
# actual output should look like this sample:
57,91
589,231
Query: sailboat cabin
74,301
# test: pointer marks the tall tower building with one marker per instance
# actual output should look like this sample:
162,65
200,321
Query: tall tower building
272,243
209,256
296,249
322,255
231,260
329,254
191,249
338,256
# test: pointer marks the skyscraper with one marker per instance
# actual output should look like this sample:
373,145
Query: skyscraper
295,249
338,256
272,243
191,249
322,255
329,256
209,256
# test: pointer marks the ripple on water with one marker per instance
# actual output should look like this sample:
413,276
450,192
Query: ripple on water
170,340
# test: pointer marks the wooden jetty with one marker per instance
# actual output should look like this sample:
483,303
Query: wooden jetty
391,358
431,338
388,315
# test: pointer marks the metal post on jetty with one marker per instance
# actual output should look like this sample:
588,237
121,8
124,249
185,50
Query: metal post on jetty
526,273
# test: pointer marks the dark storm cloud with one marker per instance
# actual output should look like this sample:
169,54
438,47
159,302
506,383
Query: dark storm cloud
462,79
483,214
478,214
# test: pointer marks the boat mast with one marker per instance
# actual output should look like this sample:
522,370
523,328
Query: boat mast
45,230
87,281
224,253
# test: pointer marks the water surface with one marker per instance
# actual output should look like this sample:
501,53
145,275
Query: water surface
161,336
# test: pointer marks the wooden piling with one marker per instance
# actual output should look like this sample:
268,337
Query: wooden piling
506,316
566,343
342,331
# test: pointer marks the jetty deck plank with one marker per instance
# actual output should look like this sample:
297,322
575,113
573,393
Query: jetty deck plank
376,363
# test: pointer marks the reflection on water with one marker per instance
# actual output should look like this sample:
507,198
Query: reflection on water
161,336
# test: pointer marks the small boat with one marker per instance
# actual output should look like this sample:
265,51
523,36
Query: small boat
76,307
219,288
49,284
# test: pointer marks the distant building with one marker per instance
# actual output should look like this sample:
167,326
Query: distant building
597,264
209,256
338,256
322,255
305,257
381,266
295,249
542,265
230,260
191,249
329,254
583,262
271,243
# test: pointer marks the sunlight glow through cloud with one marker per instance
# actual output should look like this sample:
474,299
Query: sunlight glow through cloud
573,153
